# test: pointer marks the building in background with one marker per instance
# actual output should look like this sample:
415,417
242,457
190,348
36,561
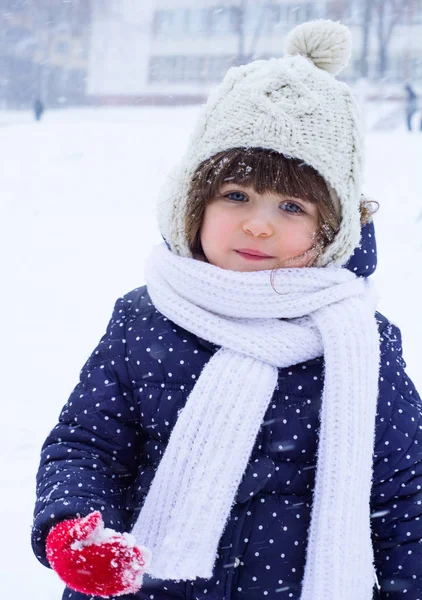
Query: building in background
187,46
175,51
71,52
119,56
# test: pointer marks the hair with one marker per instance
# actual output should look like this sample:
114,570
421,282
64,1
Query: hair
265,171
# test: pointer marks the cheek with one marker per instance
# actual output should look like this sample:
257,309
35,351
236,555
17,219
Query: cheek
299,235
216,229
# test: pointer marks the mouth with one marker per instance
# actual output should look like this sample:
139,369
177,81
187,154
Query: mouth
249,254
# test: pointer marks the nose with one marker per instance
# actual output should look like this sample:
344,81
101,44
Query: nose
258,225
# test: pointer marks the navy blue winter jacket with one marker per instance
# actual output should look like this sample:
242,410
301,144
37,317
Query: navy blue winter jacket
113,431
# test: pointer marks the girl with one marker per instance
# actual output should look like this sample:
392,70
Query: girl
247,416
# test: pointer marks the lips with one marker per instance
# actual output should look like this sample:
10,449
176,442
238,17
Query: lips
252,254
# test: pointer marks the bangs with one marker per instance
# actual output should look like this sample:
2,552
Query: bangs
263,170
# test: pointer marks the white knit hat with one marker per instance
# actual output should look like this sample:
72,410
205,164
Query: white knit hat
293,105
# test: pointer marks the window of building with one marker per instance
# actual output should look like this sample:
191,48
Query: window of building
180,22
188,69
284,16
302,12
196,21
162,22
193,69
169,23
217,67
258,16
222,20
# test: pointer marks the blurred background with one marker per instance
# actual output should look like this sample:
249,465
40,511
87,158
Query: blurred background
97,102
132,52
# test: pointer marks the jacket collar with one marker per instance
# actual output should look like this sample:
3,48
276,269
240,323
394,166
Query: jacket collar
363,261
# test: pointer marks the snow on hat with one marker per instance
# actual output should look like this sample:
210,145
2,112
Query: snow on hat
295,106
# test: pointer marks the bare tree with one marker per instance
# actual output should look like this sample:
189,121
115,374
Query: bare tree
367,15
31,67
388,14
343,10
239,15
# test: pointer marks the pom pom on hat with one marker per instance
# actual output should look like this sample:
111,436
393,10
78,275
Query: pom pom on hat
326,43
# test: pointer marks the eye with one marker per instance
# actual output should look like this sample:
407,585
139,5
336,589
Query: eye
236,196
292,208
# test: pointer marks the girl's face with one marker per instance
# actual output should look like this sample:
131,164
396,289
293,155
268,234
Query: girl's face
246,231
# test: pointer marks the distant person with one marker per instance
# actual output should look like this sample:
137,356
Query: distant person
411,105
38,109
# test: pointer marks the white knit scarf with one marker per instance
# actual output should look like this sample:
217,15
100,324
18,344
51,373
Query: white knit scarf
262,326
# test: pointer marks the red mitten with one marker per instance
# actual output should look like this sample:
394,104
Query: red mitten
94,560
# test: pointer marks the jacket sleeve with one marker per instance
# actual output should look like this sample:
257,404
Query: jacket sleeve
90,458
397,485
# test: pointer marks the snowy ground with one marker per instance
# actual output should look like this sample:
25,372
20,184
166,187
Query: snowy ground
77,200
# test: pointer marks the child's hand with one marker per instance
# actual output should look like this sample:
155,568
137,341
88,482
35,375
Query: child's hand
94,560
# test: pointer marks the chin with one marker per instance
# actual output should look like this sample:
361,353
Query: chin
250,268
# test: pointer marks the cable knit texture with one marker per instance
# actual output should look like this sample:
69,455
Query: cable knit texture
292,105
261,326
